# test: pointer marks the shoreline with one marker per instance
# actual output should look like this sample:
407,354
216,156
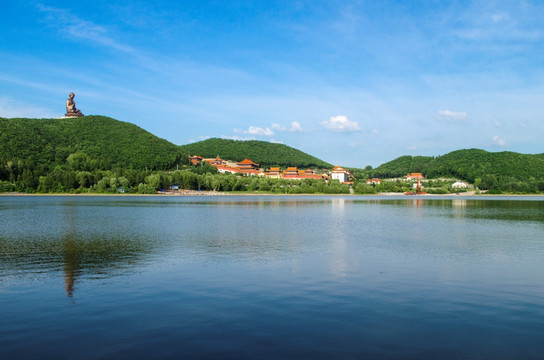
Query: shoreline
222,193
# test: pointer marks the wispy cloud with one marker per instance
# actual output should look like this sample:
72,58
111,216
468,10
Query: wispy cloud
294,127
255,130
11,108
448,115
499,17
234,137
200,138
484,21
341,123
72,26
498,141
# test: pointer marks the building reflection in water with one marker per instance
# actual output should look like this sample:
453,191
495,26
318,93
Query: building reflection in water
339,203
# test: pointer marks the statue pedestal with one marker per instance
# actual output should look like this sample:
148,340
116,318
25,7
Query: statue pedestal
69,115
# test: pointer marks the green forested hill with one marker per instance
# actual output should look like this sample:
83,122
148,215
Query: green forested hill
97,153
261,152
100,153
42,144
474,163
470,165
402,166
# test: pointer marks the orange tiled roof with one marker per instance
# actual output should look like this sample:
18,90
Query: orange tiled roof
247,162
338,169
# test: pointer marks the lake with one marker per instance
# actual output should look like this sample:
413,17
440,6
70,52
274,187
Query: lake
271,277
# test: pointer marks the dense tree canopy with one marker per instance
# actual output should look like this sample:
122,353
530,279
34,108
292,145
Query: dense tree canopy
100,154
499,171
264,153
48,142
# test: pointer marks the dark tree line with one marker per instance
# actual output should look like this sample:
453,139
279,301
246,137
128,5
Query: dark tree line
83,174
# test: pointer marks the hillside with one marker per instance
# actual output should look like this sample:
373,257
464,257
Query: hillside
469,165
264,153
46,143
402,166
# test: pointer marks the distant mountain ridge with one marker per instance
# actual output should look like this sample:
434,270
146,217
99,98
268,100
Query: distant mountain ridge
467,164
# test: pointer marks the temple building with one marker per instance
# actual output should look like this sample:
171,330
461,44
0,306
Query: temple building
215,161
274,173
414,176
195,159
247,164
291,171
248,167
340,174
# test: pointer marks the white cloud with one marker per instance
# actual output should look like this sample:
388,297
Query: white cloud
243,138
200,138
255,130
497,124
499,141
341,123
278,127
276,141
295,127
448,115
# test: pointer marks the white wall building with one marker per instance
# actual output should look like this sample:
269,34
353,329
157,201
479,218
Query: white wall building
459,185
339,174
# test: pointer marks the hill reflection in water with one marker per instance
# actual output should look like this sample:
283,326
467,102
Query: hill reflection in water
96,237
271,277
36,241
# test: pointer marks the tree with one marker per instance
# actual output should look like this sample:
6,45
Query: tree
124,182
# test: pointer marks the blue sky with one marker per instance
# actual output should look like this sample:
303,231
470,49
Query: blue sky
354,83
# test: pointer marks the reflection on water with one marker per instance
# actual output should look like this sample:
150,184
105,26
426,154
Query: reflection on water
271,277
103,236
38,238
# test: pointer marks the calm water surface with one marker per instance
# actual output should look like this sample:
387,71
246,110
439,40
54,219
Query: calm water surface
271,277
